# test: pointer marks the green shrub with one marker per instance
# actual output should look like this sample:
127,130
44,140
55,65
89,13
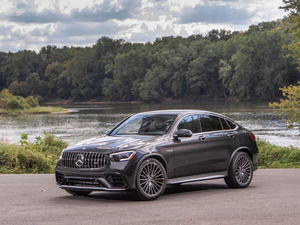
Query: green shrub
33,102
10,102
272,156
38,157
14,104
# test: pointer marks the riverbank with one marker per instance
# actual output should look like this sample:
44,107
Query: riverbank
42,158
36,110
198,100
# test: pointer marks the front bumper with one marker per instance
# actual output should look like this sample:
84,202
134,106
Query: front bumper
116,176
89,184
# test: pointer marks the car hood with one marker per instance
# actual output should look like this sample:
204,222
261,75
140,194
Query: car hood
116,143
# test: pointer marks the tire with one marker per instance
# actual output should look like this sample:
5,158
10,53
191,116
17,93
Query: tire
240,172
151,180
78,193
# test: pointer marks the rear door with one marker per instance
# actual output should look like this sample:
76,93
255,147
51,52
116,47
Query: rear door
221,140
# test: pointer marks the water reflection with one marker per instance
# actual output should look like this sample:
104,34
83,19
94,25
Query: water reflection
93,120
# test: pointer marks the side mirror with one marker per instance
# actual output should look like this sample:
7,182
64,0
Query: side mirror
183,133
107,131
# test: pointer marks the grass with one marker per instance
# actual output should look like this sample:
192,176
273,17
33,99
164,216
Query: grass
35,110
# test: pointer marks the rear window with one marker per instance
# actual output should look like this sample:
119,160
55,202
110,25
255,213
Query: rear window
225,124
210,123
231,124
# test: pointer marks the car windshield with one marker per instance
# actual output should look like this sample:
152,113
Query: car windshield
145,125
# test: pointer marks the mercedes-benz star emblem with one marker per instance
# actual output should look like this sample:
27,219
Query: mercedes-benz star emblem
79,160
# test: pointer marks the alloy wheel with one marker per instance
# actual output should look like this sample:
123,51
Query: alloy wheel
151,179
243,170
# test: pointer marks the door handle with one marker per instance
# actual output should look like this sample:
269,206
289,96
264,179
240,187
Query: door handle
202,138
230,135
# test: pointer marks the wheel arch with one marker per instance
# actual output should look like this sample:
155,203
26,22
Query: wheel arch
156,156
241,149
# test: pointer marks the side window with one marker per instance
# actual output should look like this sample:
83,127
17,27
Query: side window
191,123
210,123
225,124
231,124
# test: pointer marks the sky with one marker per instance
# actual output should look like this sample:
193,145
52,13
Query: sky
32,24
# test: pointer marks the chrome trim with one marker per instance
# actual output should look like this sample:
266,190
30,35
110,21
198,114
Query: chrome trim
88,160
175,125
197,178
90,188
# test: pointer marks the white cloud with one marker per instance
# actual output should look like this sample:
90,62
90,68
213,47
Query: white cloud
31,24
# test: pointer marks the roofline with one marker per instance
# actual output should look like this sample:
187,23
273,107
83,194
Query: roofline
183,112
177,111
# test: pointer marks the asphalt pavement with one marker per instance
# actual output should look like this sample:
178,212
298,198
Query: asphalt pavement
272,198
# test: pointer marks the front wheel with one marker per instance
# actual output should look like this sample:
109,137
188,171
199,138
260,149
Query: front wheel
151,179
240,172
78,193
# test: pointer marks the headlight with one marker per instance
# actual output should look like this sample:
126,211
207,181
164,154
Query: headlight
60,157
122,156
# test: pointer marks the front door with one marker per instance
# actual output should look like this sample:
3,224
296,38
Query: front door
191,156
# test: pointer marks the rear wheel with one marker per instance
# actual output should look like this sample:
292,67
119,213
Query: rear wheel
151,179
78,193
240,172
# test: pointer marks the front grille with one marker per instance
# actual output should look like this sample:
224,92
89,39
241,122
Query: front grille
84,160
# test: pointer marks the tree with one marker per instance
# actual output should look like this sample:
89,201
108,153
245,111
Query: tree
289,107
293,6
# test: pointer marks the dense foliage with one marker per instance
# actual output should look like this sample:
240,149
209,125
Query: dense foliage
289,107
38,157
293,7
272,156
248,64
10,102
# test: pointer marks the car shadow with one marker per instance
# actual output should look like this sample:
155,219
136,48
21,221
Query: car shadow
130,196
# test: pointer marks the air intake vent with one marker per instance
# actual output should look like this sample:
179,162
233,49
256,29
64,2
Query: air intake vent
84,160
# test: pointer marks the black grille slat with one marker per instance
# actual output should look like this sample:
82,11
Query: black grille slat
83,182
116,181
91,159
59,177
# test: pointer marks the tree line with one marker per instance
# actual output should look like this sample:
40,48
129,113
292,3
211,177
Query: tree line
243,64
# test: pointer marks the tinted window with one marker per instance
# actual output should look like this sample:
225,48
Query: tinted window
225,124
231,124
145,125
191,123
210,123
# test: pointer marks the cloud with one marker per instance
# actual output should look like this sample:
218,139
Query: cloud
107,10
88,29
221,0
214,14
30,16
103,12
32,24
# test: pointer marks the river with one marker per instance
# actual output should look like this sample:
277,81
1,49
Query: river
92,120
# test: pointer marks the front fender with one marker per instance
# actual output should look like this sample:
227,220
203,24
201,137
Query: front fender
149,155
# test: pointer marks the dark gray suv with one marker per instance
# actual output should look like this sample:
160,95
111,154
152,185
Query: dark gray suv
149,150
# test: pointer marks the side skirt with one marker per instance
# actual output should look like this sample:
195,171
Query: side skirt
207,176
